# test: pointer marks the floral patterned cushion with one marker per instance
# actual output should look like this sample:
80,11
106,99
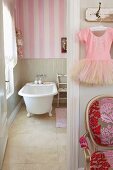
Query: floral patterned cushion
102,160
101,121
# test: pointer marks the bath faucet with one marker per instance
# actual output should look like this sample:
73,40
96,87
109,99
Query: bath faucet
39,80
36,79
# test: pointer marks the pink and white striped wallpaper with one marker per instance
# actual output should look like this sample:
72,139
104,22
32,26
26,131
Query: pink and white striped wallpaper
43,23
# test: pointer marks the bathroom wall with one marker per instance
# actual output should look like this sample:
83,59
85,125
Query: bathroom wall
50,67
86,93
43,23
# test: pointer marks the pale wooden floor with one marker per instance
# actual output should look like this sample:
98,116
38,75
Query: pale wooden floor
35,144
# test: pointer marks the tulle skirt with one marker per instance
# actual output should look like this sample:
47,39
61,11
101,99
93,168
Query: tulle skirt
94,72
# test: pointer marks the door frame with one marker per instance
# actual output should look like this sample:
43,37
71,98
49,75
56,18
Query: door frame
3,106
73,25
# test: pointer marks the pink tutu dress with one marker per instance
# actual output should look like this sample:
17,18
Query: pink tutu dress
97,67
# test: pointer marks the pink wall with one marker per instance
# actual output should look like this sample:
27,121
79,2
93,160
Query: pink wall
43,23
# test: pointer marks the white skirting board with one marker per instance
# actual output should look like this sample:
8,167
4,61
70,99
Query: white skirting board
14,113
80,168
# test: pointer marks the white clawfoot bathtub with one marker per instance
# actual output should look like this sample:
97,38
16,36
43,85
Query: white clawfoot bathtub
38,98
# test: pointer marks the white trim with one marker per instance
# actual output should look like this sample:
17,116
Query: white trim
14,113
3,116
73,23
80,168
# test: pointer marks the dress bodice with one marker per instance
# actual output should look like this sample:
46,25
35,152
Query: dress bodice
97,47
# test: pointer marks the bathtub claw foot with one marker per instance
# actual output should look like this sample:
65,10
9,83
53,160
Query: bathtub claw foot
28,114
50,114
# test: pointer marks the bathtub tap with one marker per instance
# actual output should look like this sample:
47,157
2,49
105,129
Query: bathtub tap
39,80
38,98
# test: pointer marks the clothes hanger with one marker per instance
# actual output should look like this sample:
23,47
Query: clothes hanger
98,28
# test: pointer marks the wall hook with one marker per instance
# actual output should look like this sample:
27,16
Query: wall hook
98,12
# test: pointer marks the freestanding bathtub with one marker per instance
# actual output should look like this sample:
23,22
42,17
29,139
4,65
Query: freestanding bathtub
38,98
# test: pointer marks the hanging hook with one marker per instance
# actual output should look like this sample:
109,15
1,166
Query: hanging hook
98,12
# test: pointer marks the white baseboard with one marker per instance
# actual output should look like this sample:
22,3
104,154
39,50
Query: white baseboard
80,168
14,113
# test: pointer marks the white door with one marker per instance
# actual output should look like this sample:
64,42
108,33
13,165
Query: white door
3,108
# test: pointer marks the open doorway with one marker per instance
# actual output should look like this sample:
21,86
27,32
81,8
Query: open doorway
73,119
36,142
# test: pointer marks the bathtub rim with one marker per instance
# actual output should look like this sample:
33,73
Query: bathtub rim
55,92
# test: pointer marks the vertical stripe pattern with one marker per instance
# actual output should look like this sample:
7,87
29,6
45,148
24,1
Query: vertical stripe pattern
46,28
41,27
31,27
51,29
57,28
36,30
21,14
26,29
43,23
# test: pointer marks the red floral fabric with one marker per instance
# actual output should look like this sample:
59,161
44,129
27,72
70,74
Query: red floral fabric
83,142
99,161
100,116
94,116
101,121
